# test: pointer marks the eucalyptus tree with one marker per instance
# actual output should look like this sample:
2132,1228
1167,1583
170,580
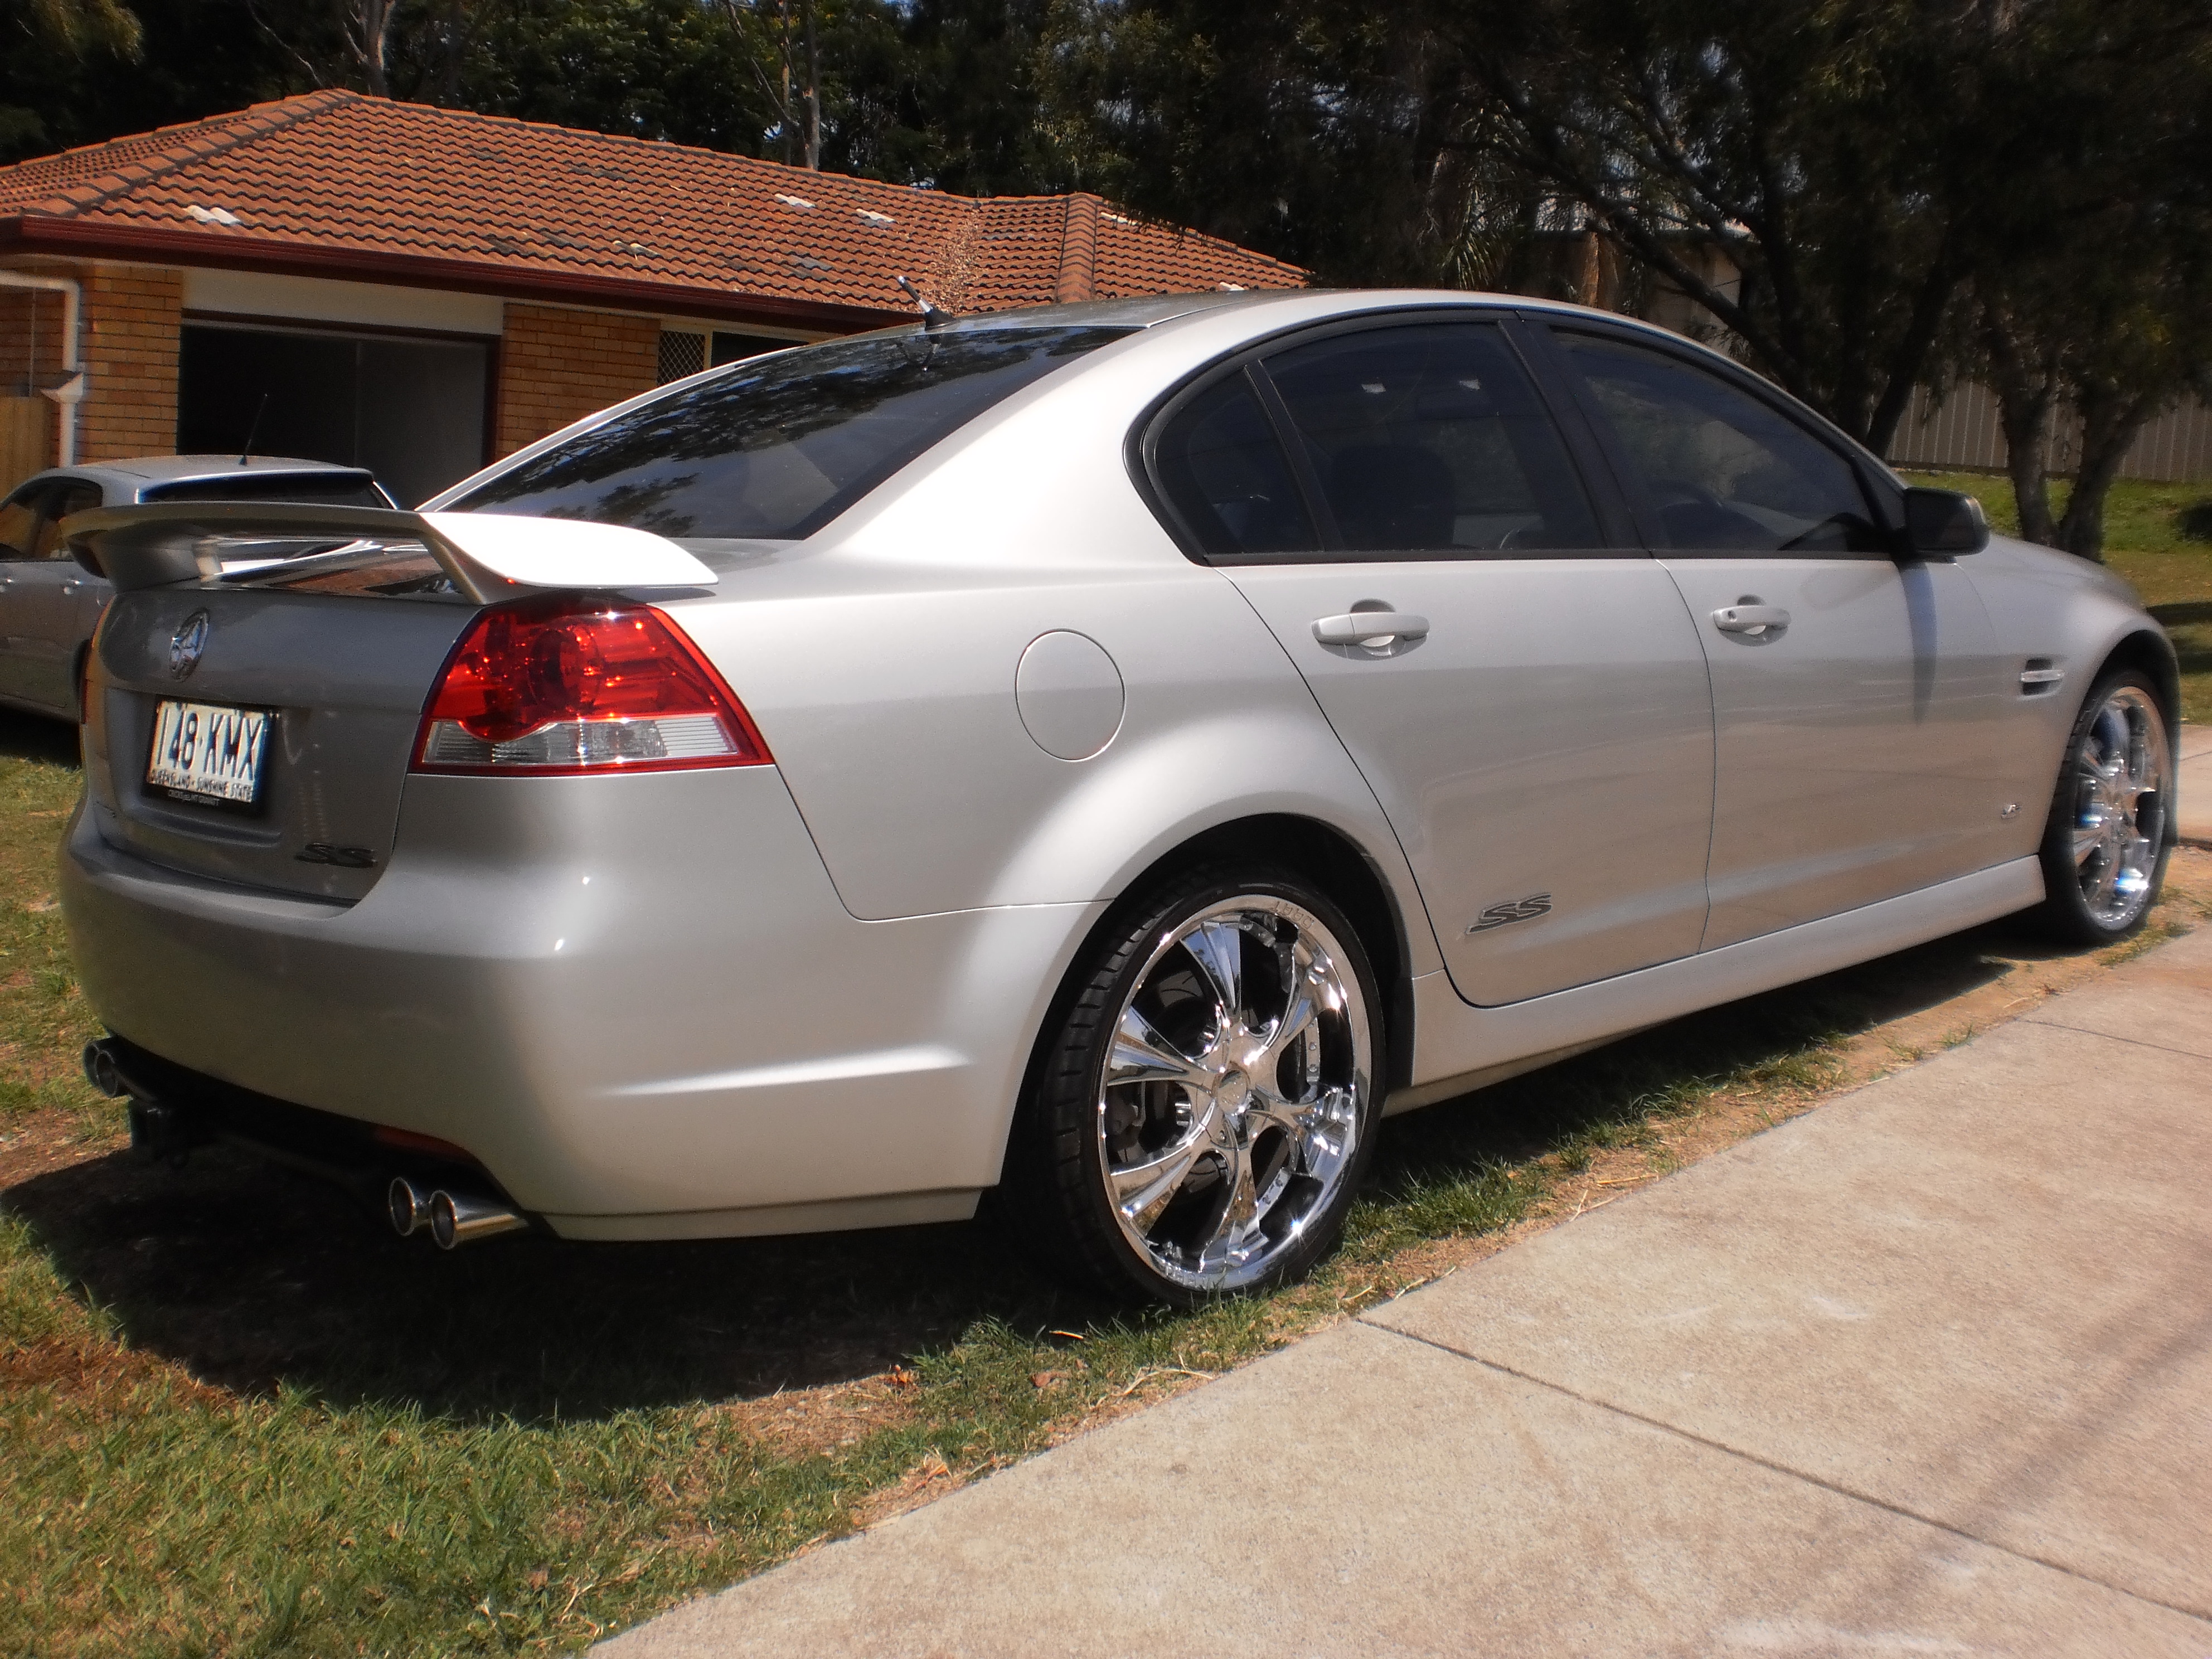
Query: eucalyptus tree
2094,285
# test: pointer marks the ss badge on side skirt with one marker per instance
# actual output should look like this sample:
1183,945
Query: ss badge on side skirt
1498,915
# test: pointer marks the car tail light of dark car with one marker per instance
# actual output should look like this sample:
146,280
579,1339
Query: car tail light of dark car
567,686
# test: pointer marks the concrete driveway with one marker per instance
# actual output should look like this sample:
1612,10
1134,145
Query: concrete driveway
2192,748
1926,1372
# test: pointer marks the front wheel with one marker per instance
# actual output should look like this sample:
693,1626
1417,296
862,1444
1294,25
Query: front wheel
2106,844
1206,1108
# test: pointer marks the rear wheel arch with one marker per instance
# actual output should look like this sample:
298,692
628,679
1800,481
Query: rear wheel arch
1337,867
1306,847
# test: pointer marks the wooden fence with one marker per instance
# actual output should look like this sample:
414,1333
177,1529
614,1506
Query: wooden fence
25,425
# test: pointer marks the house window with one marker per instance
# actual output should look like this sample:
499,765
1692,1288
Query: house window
735,347
681,353
409,408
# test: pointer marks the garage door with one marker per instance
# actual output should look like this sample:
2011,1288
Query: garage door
409,408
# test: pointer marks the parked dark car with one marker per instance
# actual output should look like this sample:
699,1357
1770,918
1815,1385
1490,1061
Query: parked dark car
48,604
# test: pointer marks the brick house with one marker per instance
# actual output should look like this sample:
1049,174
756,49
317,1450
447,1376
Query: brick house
422,290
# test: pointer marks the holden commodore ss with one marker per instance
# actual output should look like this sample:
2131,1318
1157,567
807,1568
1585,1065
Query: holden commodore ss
1110,755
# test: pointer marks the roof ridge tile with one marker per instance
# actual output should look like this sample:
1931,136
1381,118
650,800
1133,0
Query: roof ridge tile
238,127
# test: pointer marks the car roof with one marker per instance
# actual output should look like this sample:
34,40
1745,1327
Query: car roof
130,476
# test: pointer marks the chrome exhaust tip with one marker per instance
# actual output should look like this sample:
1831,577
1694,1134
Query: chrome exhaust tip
102,1072
458,1219
408,1205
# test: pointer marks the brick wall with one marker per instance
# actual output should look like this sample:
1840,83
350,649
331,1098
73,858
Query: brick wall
30,360
128,350
29,322
131,314
557,366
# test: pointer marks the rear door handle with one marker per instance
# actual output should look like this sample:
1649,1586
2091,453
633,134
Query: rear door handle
1750,618
1370,628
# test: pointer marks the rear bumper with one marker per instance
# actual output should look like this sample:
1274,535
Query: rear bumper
635,1001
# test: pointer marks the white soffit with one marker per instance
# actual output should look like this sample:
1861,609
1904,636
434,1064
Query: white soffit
312,299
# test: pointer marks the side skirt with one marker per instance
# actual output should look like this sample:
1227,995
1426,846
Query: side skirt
1459,1046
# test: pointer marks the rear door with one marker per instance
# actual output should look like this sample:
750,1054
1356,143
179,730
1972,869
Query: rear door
39,589
20,515
60,605
1856,697
1539,732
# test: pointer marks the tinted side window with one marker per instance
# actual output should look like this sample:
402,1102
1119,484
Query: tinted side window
309,489
774,447
1226,478
1430,437
19,522
1720,468
72,498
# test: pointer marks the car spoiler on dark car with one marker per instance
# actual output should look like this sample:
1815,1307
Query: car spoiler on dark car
489,555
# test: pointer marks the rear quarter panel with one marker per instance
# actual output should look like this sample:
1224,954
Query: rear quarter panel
879,663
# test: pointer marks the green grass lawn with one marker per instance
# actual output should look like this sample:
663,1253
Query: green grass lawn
238,1417
2147,540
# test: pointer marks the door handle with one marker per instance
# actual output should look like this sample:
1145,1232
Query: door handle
1750,618
1370,628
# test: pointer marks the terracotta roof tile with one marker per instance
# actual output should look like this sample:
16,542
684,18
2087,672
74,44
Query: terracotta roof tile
334,174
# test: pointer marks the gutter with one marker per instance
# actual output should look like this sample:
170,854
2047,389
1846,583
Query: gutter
71,392
34,233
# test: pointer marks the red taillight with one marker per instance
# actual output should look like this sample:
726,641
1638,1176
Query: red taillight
570,685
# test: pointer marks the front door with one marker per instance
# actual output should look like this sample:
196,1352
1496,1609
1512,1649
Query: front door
1541,737
1856,698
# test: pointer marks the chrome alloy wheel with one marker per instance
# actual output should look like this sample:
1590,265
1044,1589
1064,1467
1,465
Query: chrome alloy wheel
1231,1100
2120,791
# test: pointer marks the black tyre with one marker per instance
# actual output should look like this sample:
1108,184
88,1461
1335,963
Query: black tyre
2106,844
1203,1114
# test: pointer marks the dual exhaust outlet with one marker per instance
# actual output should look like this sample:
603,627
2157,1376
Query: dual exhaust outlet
164,1132
452,1219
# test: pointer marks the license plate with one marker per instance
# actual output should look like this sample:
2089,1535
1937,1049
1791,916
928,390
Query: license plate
207,750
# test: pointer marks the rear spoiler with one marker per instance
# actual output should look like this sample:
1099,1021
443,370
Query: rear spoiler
489,556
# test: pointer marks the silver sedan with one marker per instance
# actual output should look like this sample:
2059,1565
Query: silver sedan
1114,754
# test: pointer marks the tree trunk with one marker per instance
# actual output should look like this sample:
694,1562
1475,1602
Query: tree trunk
783,16
813,92
2110,421
375,32
2026,393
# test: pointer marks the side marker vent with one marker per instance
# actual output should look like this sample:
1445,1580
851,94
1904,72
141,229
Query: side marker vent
2039,677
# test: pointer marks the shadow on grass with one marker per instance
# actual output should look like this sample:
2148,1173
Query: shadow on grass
255,1278
32,737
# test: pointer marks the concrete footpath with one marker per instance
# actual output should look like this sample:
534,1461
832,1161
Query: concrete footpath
2192,749
1928,1370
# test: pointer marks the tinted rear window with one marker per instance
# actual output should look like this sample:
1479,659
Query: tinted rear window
312,489
776,447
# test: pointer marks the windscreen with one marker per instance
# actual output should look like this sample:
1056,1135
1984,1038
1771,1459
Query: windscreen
776,447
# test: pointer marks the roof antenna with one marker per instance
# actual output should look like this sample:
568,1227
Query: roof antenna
254,431
932,316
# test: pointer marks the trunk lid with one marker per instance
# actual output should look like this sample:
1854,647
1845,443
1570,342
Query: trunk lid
343,679
315,634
